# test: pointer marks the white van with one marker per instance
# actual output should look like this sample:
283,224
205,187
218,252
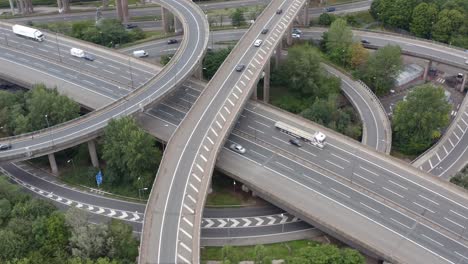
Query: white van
77,52
140,53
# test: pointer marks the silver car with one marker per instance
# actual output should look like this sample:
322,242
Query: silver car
237,148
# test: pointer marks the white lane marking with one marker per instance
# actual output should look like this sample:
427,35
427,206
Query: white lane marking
424,197
340,158
345,195
211,141
461,255
235,95
229,100
206,148
193,187
466,124
463,131
237,87
242,82
253,151
261,123
400,223
227,110
184,259
251,72
424,207
189,209
453,222
222,117
218,124
451,143
435,241
308,152
362,177
261,57
397,194
214,132
196,177
399,185
108,71
430,163
185,246
438,157
459,214
311,178
456,135
245,76
255,59
446,152
334,164
92,66
369,171
377,211
86,81
257,130
200,168
281,164
117,68
203,158
187,221
280,140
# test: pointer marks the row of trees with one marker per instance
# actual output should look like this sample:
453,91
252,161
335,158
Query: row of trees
312,254
378,70
312,93
107,32
36,109
33,231
441,20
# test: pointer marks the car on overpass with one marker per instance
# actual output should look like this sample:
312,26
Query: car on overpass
258,43
5,146
237,148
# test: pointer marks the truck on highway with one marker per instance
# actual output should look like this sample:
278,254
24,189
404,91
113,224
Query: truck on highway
316,139
28,32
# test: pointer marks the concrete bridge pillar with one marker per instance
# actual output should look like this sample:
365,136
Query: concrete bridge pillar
125,15
93,153
53,164
254,93
266,82
289,35
118,7
198,73
177,25
305,14
278,54
462,87
165,20
426,70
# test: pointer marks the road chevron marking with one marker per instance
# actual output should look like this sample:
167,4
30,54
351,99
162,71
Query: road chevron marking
259,221
272,220
247,222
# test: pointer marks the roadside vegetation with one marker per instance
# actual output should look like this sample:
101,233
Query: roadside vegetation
461,178
213,60
38,108
294,252
419,120
107,32
34,231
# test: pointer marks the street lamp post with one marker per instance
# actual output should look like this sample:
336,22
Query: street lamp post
139,191
73,164
48,126
282,223
58,47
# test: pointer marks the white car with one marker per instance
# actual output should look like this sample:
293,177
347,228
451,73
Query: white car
237,148
258,42
296,35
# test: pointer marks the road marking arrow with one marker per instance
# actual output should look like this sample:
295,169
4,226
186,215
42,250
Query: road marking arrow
79,205
260,221
112,213
223,223
69,202
59,199
272,220
90,207
124,215
234,222
210,223
100,211
247,222
284,218
135,217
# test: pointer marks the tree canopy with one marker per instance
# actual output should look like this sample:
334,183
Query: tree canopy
419,119
338,42
237,17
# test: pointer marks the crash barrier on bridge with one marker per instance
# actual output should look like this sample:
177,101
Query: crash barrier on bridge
426,155
62,53
95,131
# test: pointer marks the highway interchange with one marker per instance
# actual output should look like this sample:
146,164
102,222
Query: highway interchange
368,176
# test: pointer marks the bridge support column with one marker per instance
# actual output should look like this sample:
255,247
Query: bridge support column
198,73
305,14
177,25
118,7
164,20
93,153
278,54
53,164
266,82
426,70
462,87
125,15
289,35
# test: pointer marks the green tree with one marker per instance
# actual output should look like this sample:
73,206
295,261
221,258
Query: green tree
325,19
351,256
130,154
419,120
297,260
359,55
424,17
12,245
123,246
339,40
461,178
382,68
260,253
448,23
213,61
324,254
237,17
5,209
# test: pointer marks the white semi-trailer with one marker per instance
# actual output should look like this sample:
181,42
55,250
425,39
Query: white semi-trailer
28,32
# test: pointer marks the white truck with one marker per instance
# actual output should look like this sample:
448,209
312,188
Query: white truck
317,139
77,52
28,32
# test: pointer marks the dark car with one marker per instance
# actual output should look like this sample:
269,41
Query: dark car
365,41
89,57
172,41
5,146
295,142
330,9
279,11
265,30
240,67
130,26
